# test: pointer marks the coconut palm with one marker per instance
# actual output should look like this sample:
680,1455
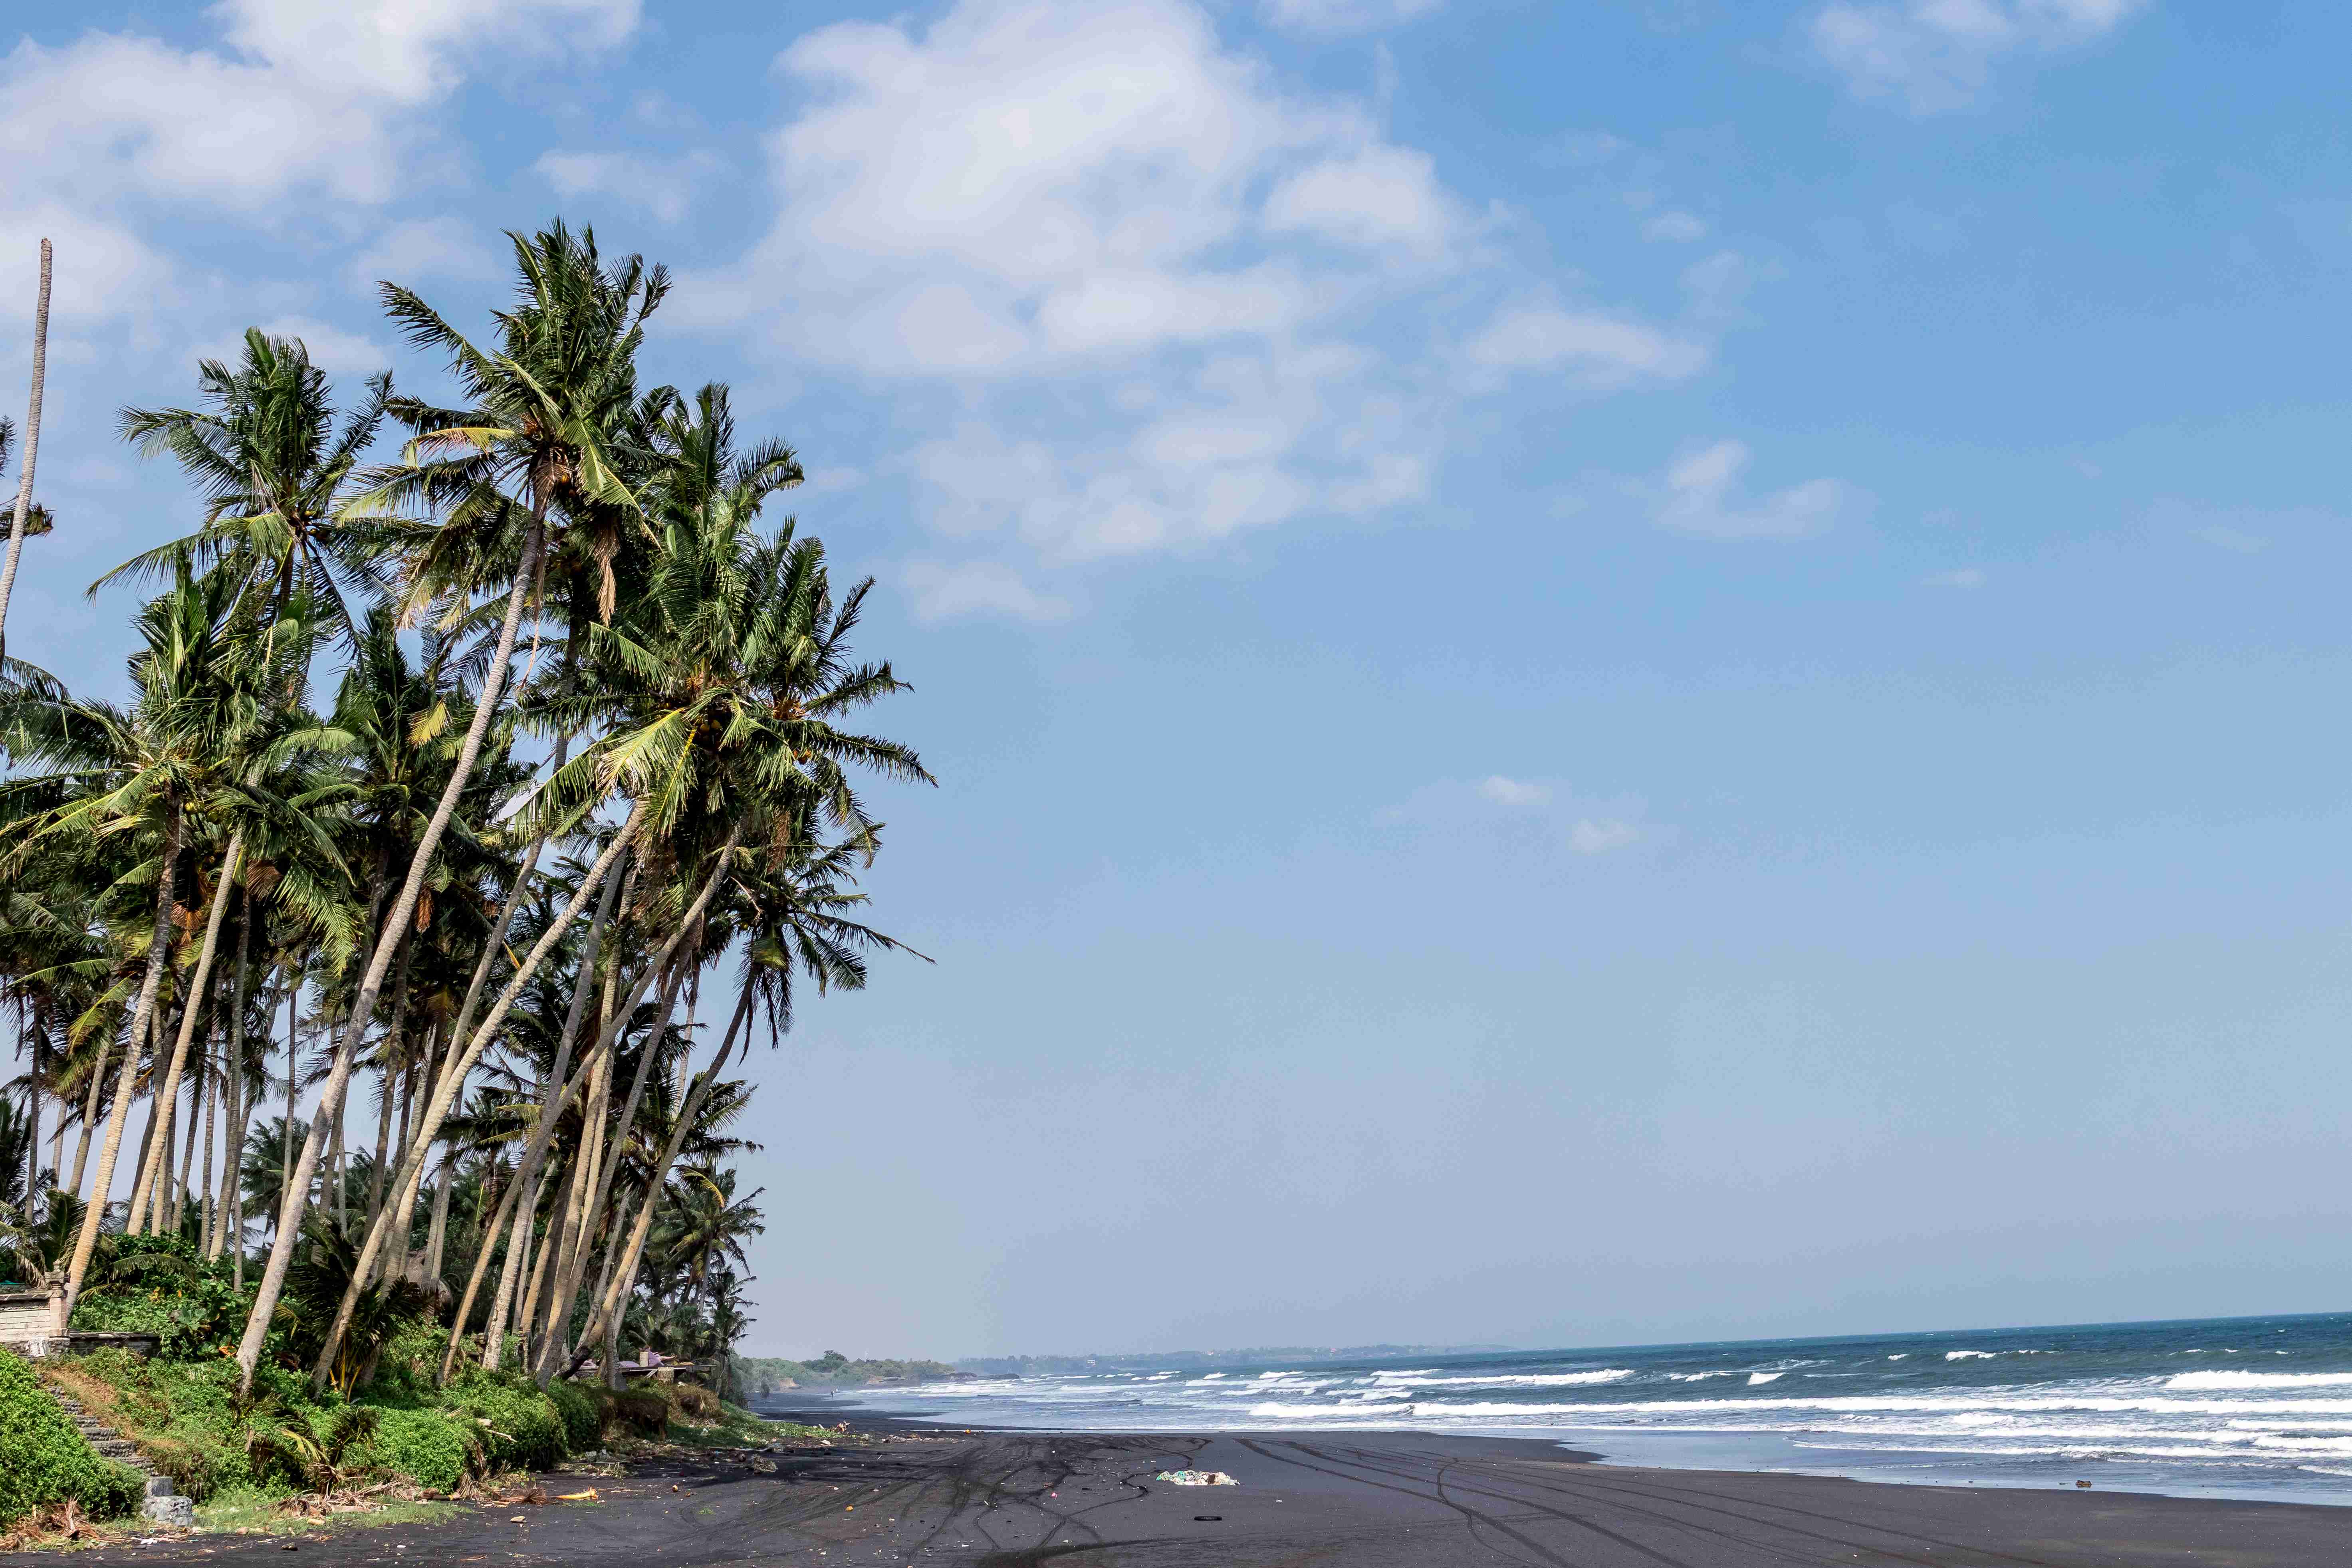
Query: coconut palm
20,512
276,474
537,434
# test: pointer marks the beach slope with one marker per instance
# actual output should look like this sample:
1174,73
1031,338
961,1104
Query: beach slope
1355,1500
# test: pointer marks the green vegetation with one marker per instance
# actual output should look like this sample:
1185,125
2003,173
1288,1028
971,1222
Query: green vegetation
364,942
47,1461
772,1375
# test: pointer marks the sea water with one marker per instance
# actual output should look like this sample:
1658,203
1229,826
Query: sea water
2258,1408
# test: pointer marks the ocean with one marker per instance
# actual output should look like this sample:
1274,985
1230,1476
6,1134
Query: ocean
2244,1407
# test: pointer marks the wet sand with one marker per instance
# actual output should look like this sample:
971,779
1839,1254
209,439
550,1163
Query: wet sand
1344,1499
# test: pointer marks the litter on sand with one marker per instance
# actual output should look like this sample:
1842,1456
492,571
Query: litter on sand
1196,1478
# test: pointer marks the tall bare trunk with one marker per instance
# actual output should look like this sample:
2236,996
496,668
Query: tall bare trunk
444,1092
236,1111
678,959
158,949
511,1273
293,1084
625,1278
90,1103
211,1092
403,910
32,448
177,1208
436,1236
483,1251
170,1090
405,1202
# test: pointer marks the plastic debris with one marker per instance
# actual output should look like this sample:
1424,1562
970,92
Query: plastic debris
1196,1478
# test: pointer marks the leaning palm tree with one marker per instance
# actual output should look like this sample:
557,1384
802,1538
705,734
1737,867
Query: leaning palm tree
536,435
277,475
138,770
20,515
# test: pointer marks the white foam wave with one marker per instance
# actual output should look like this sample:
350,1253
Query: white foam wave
1515,1380
2259,1380
1970,1355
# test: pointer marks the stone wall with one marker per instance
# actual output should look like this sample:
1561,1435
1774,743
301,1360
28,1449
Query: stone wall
30,1318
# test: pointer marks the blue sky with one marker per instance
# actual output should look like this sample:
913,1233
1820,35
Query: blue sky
1601,672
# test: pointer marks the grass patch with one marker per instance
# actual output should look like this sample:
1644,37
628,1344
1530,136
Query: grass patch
47,1460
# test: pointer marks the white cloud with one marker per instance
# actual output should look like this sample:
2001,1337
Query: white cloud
2233,540
1374,197
429,247
307,95
1592,838
1676,227
662,186
1698,495
1937,55
943,593
1597,349
1513,792
1163,297
1341,18
1963,577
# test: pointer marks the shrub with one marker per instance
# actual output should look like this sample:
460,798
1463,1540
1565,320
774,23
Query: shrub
695,1401
426,1445
48,1459
161,1285
518,1424
582,1415
642,1411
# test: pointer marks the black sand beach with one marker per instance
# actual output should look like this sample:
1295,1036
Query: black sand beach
1002,1499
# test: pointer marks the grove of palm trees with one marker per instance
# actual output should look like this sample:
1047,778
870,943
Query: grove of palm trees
486,791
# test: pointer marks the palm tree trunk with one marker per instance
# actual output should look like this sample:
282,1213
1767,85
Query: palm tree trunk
179,1204
625,1278
158,949
494,1332
33,1107
233,1120
32,447
436,1236
405,1201
89,1112
389,1052
169,1091
444,1092
403,910
483,1250
210,1091
679,964
539,1303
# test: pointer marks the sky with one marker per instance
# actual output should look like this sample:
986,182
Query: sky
1601,672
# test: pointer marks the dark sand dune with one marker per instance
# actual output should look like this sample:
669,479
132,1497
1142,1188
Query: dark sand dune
1342,1499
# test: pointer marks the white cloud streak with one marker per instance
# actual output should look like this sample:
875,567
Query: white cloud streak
1161,298
1938,55
1700,494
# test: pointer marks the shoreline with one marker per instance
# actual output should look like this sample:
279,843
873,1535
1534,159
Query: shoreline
912,1492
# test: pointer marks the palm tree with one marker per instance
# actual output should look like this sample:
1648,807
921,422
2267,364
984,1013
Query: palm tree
276,476
20,515
139,770
543,409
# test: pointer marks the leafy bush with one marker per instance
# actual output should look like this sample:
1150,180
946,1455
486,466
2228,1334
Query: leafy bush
48,1459
583,1414
642,1411
425,1446
519,1424
694,1402
163,1285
